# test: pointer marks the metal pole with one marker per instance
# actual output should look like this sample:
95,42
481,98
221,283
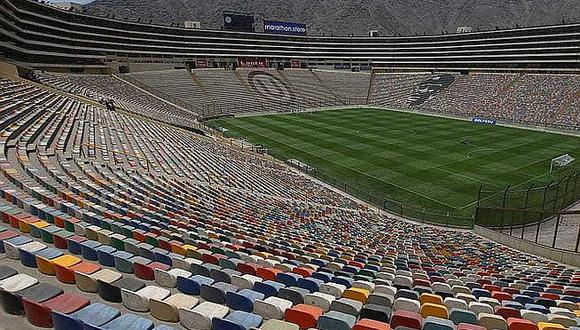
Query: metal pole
479,194
544,197
557,194
528,196
556,231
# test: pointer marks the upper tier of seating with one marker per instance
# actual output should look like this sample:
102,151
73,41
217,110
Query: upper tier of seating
41,36
537,99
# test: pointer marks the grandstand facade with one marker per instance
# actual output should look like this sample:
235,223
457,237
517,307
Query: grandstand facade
44,37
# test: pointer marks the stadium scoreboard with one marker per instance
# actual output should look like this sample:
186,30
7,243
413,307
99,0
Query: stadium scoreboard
238,22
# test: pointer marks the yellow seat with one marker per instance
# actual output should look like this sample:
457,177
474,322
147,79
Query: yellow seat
46,266
38,224
577,312
357,294
550,326
430,309
66,261
431,298
24,224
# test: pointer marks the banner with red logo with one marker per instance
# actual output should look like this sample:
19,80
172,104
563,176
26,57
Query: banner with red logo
252,62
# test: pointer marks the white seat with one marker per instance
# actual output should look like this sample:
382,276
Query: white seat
139,301
271,307
534,316
88,282
17,282
369,286
246,281
319,299
333,289
478,308
388,290
406,305
455,303
13,252
199,318
278,325
492,321
168,309
168,279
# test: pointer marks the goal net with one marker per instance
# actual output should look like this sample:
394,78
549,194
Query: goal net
561,161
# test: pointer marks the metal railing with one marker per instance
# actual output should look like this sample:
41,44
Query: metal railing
560,230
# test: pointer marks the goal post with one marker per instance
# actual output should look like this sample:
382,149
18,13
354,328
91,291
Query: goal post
561,161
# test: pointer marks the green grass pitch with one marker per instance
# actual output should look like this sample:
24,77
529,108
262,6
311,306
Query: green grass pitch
409,157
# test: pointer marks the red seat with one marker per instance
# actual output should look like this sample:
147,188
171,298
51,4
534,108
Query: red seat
507,312
39,314
366,324
305,316
244,268
501,296
520,324
467,326
147,272
268,273
550,295
406,319
305,272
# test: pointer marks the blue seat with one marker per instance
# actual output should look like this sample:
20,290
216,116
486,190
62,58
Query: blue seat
105,255
268,288
129,322
457,316
311,284
237,320
94,315
324,277
28,259
146,250
436,323
192,285
288,279
243,300
217,292
335,320
162,256
89,250
522,299
478,293
74,247
537,308
346,281
49,253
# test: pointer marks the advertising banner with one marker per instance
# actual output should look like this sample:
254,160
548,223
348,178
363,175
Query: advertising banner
252,62
291,28
483,121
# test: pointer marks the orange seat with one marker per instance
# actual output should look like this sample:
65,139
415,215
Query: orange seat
550,326
357,294
67,274
366,324
267,273
25,222
431,298
305,316
520,324
429,309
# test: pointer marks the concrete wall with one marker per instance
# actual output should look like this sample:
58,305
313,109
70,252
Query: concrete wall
565,257
8,69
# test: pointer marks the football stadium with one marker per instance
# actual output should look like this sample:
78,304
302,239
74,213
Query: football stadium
173,176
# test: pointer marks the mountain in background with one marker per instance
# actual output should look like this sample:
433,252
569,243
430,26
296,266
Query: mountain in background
357,17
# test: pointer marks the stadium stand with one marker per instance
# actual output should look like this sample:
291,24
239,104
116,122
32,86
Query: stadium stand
193,233
217,91
123,218
534,99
